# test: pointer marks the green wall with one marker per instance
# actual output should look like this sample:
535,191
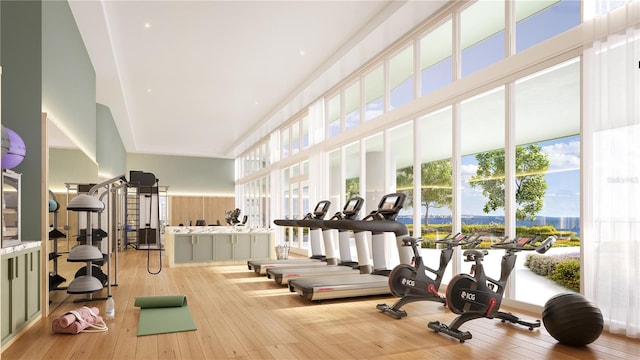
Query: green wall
187,175
112,156
21,40
70,166
68,77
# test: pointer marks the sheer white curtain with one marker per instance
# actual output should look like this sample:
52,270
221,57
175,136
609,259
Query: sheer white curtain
611,177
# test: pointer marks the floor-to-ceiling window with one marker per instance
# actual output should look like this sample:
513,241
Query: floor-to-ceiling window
401,160
352,171
547,124
375,175
335,179
482,129
508,121
436,186
295,202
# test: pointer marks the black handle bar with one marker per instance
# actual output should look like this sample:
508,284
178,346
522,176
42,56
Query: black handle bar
458,239
522,243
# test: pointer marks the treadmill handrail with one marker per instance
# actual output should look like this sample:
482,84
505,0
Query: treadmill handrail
375,226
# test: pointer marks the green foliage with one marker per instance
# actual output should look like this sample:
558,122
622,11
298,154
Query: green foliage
436,187
567,242
352,187
495,231
567,274
531,166
563,269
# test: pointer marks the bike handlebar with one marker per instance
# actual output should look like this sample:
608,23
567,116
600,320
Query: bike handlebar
458,239
521,243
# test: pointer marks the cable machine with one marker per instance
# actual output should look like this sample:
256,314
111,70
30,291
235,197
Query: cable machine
142,211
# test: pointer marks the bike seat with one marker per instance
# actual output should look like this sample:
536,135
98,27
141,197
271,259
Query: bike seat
410,241
475,254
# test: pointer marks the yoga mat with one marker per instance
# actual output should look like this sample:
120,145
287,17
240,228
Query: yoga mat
163,314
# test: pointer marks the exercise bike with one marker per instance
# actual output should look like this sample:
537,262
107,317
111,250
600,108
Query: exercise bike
480,296
413,283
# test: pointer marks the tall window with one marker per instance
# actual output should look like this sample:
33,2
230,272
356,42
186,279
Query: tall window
436,66
374,164
482,142
352,105
401,78
335,178
305,131
537,21
436,188
295,185
352,168
401,149
295,137
374,93
547,108
481,35
285,141
333,116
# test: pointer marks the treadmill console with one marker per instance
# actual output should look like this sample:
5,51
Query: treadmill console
352,208
390,205
321,209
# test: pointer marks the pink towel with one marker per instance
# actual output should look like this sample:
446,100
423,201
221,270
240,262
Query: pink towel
76,321
68,318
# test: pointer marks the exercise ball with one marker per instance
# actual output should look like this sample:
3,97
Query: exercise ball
53,205
572,319
16,151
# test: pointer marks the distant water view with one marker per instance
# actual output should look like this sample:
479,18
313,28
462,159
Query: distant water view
560,223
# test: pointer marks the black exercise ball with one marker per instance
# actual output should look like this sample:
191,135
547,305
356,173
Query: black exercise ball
572,319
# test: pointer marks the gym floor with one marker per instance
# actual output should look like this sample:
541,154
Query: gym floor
244,316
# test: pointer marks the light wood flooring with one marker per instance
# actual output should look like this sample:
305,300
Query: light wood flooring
244,316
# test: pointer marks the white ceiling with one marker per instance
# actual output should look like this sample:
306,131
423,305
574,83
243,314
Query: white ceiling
208,78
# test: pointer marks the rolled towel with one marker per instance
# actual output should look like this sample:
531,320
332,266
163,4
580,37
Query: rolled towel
69,318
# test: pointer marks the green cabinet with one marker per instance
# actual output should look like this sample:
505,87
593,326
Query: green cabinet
221,247
224,247
193,248
20,290
243,246
262,245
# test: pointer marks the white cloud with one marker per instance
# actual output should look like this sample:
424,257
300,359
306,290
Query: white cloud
563,156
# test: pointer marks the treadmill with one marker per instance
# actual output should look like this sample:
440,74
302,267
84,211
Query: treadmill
381,224
336,266
317,259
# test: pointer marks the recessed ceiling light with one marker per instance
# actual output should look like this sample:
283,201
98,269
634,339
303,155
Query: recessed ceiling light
147,25
302,53
148,90
256,103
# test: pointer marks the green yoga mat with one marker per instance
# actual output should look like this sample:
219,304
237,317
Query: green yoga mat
163,314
